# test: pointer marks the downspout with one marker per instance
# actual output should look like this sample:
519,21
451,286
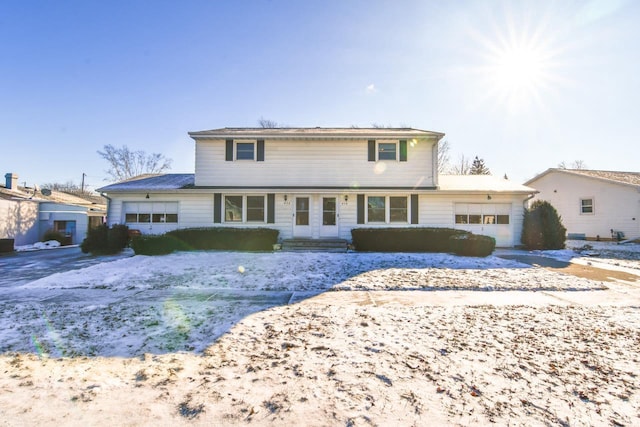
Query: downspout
107,216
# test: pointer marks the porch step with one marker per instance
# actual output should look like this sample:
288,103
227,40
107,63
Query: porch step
315,245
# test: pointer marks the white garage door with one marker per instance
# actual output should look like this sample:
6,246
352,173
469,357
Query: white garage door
489,219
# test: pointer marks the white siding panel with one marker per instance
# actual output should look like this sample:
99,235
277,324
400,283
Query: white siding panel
314,164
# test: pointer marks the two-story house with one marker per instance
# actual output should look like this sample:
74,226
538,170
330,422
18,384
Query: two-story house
319,183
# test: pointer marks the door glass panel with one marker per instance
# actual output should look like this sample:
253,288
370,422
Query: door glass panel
328,211
302,211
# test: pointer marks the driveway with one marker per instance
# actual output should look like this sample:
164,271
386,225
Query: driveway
24,267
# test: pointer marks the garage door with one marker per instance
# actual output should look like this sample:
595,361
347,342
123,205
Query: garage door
489,219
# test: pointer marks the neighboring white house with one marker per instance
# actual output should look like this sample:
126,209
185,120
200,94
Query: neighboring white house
318,183
592,203
27,214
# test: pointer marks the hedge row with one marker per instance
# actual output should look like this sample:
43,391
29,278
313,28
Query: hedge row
225,238
103,240
423,239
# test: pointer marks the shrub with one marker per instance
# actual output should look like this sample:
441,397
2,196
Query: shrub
472,245
157,244
542,227
103,240
6,245
55,235
423,239
227,238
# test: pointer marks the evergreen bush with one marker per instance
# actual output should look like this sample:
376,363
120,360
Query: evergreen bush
102,240
54,235
407,239
227,238
157,244
472,245
542,227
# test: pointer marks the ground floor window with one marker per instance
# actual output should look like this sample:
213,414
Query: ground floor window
67,228
150,212
586,206
387,209
244,209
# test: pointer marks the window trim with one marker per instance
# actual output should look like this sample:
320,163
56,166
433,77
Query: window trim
245,209
387,209
592,205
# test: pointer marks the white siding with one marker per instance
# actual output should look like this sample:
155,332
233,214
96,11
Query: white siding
616,206
341,163
435,210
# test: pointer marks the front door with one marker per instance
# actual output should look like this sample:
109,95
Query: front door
301,226
329,227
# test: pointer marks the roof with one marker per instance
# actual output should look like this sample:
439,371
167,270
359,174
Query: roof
315,133
616,177
481,184
453,183
94,202
158,182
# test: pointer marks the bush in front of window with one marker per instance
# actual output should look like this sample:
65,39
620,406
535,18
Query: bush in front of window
157,244
227,238
407,239
542,227
54,235
472,245
103,240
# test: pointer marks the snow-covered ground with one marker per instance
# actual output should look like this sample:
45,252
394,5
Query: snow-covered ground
232,338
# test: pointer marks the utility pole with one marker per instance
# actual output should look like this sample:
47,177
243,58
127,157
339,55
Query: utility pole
82,186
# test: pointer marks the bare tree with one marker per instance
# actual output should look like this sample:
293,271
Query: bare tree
66,187
576,164
268,124
125,164
461,167
443,155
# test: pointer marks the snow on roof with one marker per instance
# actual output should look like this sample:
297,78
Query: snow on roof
316,133
481,183
95,202
148,182
628,178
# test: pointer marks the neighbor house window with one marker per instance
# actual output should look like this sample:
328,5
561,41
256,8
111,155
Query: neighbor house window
387,151
244,209
245,151
586,206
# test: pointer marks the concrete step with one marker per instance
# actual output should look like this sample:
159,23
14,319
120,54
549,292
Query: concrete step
315,245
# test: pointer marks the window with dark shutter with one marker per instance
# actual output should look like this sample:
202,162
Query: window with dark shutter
271,208
403,150
360,208
372,150
229,151
414,209
260,148
217,208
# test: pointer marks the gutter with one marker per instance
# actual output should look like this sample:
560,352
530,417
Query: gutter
107,215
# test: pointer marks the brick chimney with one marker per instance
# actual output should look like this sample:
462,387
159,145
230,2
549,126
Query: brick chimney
11,181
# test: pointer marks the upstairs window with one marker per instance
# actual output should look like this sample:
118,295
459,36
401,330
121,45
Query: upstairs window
586,206
245,151
387,151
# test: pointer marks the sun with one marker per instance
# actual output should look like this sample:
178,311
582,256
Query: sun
517,65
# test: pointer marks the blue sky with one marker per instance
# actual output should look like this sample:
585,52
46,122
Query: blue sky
523,85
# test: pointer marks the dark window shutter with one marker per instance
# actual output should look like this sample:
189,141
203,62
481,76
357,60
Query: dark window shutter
260,147
360,207
403,150
217,208
372,150
229,151
414,209
271,208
